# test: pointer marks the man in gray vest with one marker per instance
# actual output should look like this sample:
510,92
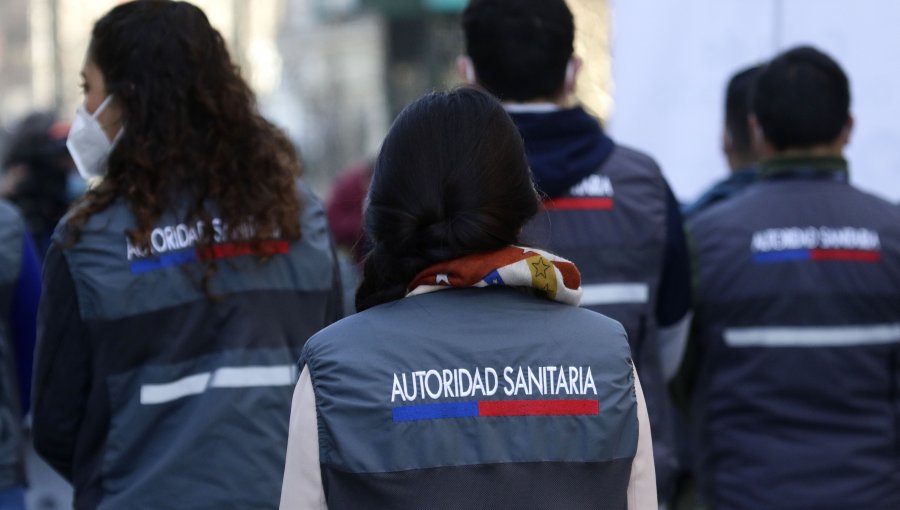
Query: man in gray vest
608,207
19,290
793,367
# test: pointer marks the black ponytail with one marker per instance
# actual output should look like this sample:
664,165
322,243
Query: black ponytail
451,180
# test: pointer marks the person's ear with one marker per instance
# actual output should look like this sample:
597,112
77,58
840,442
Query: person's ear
761,144
847,131
465,69
573,68
726,141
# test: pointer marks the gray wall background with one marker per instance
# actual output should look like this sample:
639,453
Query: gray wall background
671,62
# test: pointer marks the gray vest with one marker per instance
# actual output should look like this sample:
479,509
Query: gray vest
11,459
195,391
474,398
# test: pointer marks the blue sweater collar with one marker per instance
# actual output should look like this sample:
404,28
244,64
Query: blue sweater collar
563,147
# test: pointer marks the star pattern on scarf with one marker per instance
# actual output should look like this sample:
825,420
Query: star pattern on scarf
540,267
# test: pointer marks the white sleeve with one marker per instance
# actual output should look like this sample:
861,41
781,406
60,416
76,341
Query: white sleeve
642,486
302,485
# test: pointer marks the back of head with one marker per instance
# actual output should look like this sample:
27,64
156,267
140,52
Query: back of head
520,48
38,140
191,126
738,99
802,99
451,180
38,158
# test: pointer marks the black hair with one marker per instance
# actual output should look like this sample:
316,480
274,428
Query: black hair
38,146
451,180
802,99
738,102
520,48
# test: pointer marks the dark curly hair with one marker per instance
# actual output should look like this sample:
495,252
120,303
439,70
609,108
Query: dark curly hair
451,180
192,130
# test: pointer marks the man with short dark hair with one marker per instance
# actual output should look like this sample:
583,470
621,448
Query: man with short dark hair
794,365
608,207
737,143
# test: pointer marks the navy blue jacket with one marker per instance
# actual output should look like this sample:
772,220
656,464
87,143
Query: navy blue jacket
19,284
609,210
794,364
732,185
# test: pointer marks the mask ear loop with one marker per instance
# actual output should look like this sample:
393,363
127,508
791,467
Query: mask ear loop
102,106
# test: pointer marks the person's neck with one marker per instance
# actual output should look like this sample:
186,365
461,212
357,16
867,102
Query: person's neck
738,163
824,150
810,152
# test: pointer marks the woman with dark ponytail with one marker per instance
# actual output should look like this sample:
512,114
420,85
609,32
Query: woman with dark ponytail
470,378
178,293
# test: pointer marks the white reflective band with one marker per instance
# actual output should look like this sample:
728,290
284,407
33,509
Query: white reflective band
159,393
825,336
225,377
612,293
248,377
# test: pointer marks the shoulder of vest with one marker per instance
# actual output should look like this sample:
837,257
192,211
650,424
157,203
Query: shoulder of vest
634,160
12,226
9,213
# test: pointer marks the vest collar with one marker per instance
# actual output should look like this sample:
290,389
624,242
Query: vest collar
807,167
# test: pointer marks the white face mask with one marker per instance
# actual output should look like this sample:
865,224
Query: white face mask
88,143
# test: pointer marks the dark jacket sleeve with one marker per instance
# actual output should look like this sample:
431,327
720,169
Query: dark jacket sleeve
24,317
674,299
62,372
681,387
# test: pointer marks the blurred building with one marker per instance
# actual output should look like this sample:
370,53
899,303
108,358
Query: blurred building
332,73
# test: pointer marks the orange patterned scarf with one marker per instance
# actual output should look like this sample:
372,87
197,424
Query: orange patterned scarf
512,266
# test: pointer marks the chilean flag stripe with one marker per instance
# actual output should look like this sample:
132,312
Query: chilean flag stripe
853,255
538,407
228,250
578,203
486,408
214,252
818,255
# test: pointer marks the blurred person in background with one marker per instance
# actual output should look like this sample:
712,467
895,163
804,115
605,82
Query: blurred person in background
179,292
793,366
39,176
19,290
344,209
737,144
450,306
608,207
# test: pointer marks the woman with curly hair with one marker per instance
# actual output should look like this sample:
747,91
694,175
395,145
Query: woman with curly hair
180,291
470,379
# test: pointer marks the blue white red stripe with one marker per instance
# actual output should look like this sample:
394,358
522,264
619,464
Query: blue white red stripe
817,255
485,408
214,252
